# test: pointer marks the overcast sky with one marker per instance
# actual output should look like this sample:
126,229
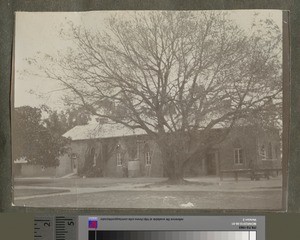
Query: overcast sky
38,33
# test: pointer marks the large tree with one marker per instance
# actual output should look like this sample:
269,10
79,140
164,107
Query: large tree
177,75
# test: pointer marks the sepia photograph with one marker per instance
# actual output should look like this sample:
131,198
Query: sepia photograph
148,110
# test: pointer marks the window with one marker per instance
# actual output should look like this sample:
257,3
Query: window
277,152
93,156
238,156
148,158
270,151
119,159
262,152
147,154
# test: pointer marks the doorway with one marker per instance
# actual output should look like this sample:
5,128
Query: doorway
74,163
212,163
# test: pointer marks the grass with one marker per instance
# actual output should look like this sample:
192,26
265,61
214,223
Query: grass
83,182
33,192
168,183
203,193
156,199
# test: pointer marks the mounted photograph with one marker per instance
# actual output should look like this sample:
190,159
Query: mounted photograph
149,110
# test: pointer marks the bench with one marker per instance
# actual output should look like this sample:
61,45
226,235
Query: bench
255,174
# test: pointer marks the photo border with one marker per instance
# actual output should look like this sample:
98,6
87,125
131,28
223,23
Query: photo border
290,137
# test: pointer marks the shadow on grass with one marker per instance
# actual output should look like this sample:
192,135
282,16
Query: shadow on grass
35,192
180,182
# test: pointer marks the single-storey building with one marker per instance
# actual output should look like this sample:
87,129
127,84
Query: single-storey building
23,168
113,150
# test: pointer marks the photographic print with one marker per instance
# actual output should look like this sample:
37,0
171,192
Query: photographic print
148,109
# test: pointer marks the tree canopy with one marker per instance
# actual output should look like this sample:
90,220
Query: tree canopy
60,122
35,140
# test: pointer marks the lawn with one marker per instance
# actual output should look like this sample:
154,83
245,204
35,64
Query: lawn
82,182
154,199
201,193
33,192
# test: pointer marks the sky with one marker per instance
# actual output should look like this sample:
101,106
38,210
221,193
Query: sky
39,33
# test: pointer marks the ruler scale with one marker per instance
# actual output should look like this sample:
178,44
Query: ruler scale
55,228
43,228
65,228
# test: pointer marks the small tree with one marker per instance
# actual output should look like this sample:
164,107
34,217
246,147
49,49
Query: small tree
176,75
33,140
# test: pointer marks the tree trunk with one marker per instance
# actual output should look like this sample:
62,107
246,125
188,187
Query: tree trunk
172,163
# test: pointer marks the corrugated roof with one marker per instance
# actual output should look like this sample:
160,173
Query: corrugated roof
96,130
